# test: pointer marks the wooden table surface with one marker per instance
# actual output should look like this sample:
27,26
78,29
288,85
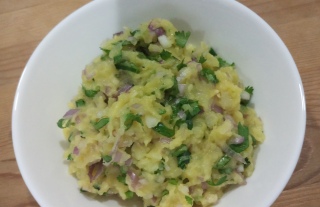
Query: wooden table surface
24,23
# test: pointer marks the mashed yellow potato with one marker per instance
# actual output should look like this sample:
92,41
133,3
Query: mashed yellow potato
161,119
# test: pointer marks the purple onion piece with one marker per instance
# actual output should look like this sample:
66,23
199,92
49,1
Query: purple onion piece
70,113
118,33
75,151
216,108
95,170
165,140
234,154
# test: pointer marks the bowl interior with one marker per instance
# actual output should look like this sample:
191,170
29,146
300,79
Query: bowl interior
52,77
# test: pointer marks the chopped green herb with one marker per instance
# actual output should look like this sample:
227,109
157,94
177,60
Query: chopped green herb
182,38
83,191
209,75
129,194
63,123
202,59
173,181
130,118
189,200
227,171
80,102
142,55
222,162
162,111
254,140
70,136
118,58
161,167
165,192
244,132
165,55
212,52
164,130
134,32
181,65
219,182
249,89
183,155
106,158
122,178
101,123
247,162
126,65
70,157
172,92
107,52
223,63
96,186
90,93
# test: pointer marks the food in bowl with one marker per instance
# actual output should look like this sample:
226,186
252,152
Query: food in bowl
161,119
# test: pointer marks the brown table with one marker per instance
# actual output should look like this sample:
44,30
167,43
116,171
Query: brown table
24,23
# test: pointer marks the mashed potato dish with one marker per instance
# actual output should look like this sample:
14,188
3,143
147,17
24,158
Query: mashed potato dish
161,119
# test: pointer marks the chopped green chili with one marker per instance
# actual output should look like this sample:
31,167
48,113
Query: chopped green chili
101,123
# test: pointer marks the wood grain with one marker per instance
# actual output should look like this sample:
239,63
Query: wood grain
23,24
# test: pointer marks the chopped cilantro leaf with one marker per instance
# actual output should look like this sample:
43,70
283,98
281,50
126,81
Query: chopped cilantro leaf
161,167
222,162
209,75
247,162
244,132
202,59
106,158
96,186
101,123
105,51
181,65
183,156
70,157
164,130
126,65
212,52
189,200
165,192
223,63
162,111
90,93
165,55
122,178
219,182
130,118
249,89
80,102
129,194
182,38
63,123
173,181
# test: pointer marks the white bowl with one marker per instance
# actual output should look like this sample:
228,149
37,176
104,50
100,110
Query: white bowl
52,77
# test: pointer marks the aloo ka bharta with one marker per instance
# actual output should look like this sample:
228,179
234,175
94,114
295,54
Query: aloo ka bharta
161,119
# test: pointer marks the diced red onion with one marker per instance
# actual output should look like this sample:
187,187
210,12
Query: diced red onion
234,154
118,33
236,140
124,88
243,179
128,162
216,108
204,185
165,140
117,156
182,88
134,179
89,76
70,113
75,151
95,170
